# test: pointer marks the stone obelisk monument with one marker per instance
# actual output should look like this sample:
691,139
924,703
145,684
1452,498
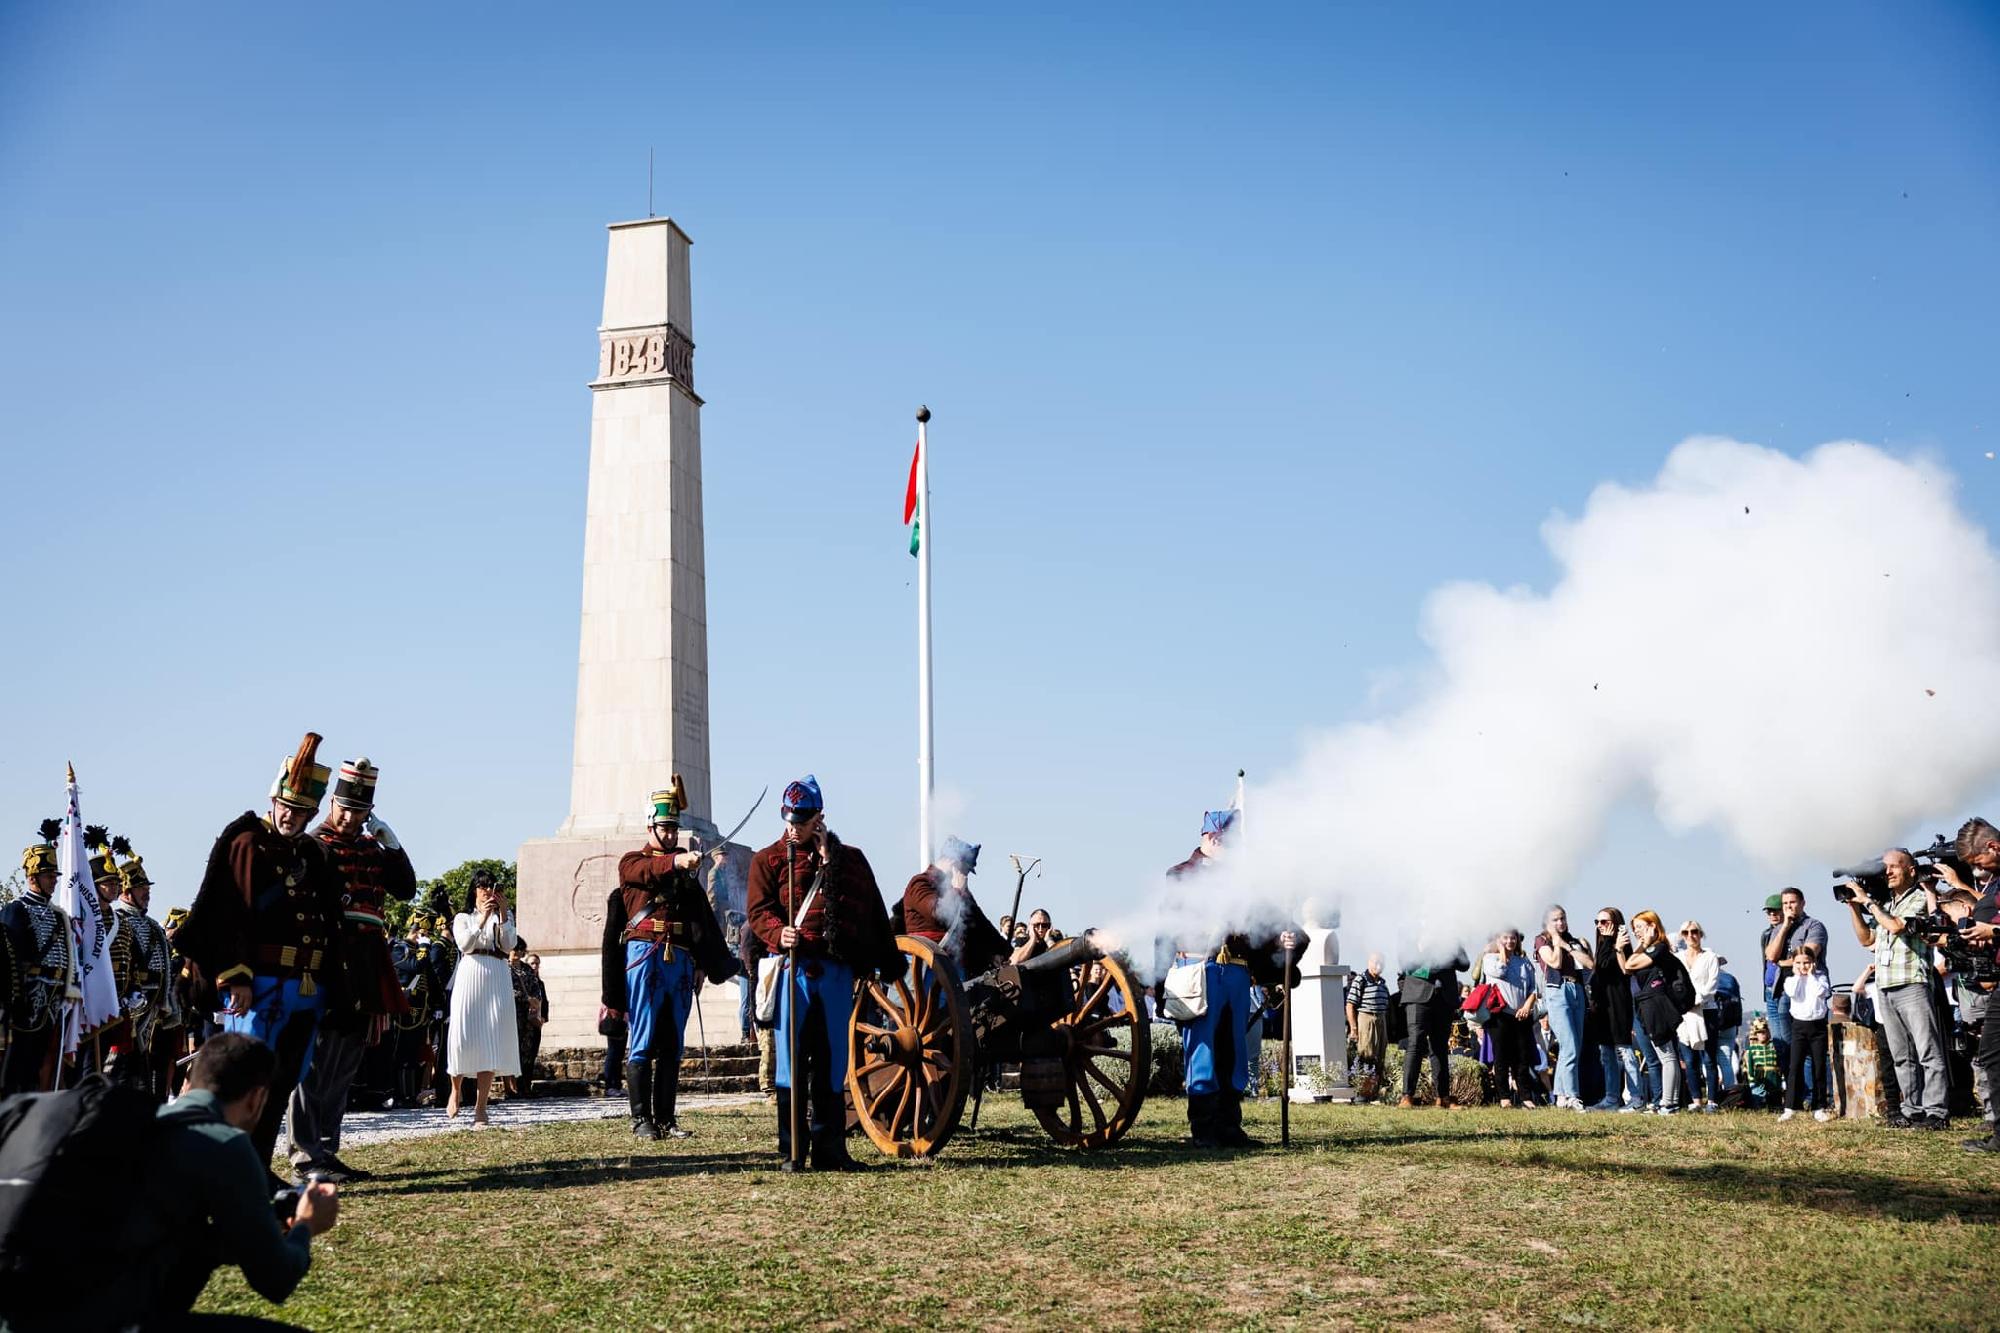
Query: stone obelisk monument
642,668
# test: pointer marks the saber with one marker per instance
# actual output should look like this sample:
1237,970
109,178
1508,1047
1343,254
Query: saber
701,1028
746,819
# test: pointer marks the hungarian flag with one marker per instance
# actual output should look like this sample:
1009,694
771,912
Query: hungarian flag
911,518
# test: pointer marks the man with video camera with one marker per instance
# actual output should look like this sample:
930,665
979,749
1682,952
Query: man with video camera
1902,987
1979,848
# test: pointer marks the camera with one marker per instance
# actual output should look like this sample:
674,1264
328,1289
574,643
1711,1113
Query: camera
1978,966
1875,885
283,1204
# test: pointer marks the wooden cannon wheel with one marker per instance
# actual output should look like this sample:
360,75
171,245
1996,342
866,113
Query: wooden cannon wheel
1106,1075
909,1054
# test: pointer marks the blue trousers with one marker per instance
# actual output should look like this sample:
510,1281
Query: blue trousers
823,1004
660,992
1209,1043
286,1021
282,1019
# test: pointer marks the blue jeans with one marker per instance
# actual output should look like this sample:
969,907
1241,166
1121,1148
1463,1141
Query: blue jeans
1642,1064
746,1008
1565,1006
1778,1013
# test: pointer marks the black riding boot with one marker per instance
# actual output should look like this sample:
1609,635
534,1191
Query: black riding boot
1229,1120
666,1089
639,1092
1202,1126
829,1133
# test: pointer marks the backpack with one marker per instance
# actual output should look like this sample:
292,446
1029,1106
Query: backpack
1728,1004
65,1159
1680,986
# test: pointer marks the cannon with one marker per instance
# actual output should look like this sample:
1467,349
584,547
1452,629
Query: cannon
1073,1019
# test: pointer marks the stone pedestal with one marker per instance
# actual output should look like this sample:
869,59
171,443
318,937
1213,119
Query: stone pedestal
1862,1064
642,661
1319,1022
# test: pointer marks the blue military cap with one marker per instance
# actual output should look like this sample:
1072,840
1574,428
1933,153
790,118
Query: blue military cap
1217,822
958,852
802,800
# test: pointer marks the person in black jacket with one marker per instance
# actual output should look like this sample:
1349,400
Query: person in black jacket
1429,994
1609,1021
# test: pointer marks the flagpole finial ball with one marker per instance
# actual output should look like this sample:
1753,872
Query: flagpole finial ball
923,414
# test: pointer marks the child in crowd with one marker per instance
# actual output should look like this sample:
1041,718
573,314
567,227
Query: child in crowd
1809,991
1760,1067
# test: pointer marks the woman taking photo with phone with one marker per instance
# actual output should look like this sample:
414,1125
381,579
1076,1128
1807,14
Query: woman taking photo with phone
483,1037
1650,966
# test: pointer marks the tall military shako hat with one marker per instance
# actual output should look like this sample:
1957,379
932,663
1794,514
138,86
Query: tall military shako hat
669,803
133,872
801,800
301,783
40,858
354,789
103,863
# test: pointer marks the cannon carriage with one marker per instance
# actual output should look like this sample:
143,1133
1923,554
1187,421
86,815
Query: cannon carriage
1073,1019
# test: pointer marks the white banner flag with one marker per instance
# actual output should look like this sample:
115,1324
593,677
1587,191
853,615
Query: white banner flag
96,1002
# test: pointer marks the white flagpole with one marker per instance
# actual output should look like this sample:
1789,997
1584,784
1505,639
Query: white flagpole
926,536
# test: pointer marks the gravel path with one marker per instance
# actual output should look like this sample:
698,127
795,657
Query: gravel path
361,1128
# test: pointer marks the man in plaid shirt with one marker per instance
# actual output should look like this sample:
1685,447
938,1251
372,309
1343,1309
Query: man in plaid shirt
1903,994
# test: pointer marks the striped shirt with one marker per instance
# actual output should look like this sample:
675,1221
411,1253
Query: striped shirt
1368,993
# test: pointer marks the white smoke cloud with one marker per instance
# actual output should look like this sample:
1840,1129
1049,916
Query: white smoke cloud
1800,653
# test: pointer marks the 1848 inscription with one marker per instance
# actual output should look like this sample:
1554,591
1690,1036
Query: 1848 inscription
646,354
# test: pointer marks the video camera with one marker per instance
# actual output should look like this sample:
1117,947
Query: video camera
1872,877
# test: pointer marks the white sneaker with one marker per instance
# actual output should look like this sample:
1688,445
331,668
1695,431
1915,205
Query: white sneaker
1786,1114
1664,1110
1627,1109
1821,1116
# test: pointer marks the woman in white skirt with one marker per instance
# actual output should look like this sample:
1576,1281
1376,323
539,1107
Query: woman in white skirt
483,1040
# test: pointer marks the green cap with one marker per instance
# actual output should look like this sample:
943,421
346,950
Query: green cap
1774,903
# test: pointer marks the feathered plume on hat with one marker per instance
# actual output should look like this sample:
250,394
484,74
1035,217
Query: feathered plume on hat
670,802
301,782
40,858
98,839
133,872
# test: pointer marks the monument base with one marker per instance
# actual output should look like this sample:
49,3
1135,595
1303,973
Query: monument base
563,886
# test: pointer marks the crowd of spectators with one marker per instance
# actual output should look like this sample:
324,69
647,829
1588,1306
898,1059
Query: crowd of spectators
1630,1017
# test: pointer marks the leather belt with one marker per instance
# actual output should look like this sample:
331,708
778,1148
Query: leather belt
486,953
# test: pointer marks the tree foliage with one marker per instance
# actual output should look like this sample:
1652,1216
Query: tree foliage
445,895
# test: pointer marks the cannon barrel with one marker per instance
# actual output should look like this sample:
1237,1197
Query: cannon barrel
1070,953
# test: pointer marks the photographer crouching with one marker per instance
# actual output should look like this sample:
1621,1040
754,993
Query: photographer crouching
1902,987
205,1201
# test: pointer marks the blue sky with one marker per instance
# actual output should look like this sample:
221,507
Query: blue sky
1242,333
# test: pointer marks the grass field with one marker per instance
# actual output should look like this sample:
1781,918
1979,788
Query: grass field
1375,1217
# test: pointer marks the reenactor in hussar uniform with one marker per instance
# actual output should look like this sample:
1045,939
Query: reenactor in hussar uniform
1212,1044
41,973
658,930
108,1048
372,867
938,905
814,903
145,980
264,928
